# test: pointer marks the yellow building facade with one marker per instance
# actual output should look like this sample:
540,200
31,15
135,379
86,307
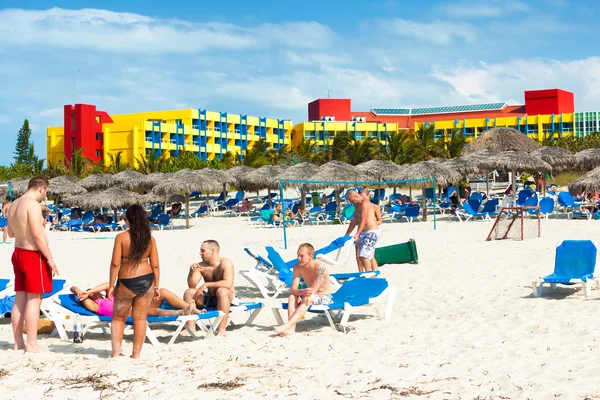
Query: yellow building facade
208,134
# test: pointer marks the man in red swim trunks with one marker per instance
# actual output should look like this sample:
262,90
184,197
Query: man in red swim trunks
32,262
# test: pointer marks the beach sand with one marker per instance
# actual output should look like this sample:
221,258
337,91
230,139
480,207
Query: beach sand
464,325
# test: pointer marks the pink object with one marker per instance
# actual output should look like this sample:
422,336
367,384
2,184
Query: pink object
105,307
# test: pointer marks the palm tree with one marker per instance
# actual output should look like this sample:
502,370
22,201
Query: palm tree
78,163
400,147
453,144
362,150
427,146
153,163
186,160
116,162
255,157
306,150
335,148
281,156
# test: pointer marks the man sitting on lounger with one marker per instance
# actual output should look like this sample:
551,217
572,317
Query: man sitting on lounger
318,290
93,300
217,290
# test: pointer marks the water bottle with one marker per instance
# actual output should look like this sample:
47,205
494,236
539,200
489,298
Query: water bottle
77,336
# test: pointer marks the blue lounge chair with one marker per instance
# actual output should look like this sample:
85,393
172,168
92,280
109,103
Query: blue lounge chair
353,293
163,221
469,213
490,208
546,206
574,263
412,212
67,306
202,210
566,202
5,284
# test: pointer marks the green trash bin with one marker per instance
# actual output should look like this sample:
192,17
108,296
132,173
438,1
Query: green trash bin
316,199
400,253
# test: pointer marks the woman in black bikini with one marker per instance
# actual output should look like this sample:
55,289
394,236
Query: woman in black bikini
135,262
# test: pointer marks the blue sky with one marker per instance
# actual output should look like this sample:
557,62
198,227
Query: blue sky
270,58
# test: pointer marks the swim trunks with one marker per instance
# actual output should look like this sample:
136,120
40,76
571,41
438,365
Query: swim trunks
321,299
105,307
32,272
210,301
368,241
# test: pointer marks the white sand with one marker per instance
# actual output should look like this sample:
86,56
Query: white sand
464,325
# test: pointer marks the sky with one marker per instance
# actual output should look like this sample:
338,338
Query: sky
270,58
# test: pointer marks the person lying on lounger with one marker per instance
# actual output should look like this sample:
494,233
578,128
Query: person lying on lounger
95,301
318,288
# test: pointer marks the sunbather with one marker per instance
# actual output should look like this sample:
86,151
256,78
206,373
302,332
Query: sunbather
95,301
318,290
217,291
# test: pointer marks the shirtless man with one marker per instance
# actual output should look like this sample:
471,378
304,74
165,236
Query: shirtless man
217,290
367,217
318,290
5,209
32,261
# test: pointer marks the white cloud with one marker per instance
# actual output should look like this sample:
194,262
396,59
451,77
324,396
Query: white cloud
126,32
508,80
437,32
489,8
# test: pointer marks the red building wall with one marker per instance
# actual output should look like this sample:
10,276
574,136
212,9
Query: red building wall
549,101
339,108
83,130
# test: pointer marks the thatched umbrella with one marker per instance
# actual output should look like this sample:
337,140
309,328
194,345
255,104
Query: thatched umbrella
19,185
65,185
589,182
380,170
153,179
559,158
185,181
588,158
98,181
516,160
301,171
338,171
479,158
129,179
109,198
237,173
425,169
502,139
266,177
218,176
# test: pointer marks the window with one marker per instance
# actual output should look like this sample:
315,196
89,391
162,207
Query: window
469,132
98,136
532,128
72,122
567,127
547,128
72,144
98,153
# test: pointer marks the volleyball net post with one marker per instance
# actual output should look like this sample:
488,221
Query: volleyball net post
339,185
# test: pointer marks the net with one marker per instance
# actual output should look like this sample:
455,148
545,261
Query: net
516,223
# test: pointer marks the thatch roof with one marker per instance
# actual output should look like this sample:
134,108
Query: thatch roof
516,160
19,185
589,182
129,179
153,179
266,177
502,139
109,198
186,181
338,171
425,169
588,158
558,157
462,165
217,175
98,181
65,185
300,171
380,170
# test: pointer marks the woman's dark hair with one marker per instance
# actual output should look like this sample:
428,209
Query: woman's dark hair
139,232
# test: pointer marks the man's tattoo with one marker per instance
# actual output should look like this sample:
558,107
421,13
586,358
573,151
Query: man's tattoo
320,272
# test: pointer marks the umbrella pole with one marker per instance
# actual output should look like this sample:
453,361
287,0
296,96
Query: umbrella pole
379,193
544,183
337,202
115,212
487,184
424,204
187,210
208,210
224,192
303,194
514,186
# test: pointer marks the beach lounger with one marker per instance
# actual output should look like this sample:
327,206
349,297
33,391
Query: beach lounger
67,306
5,284
574,263
352,294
